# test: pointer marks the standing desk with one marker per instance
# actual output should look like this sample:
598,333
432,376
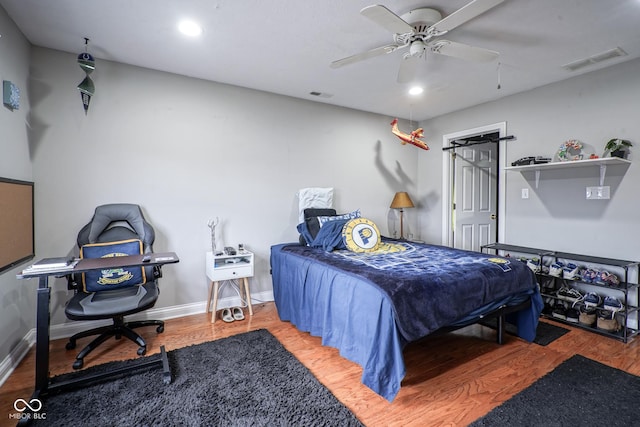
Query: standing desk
43,385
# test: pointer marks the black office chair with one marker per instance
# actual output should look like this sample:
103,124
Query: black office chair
114,230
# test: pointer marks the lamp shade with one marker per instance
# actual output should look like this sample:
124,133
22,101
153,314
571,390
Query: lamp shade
401,200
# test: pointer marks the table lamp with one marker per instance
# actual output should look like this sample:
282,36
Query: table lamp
401,201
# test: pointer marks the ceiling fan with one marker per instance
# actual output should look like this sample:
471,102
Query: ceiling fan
420,30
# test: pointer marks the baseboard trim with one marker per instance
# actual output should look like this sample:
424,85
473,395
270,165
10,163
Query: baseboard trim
65,330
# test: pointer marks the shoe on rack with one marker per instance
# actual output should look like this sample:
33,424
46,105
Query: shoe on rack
587,316
589,275
570,272
592,300
238,314
607,321
567,293
613,304
556,269
559,311
607,278
534,265
226,315
573,315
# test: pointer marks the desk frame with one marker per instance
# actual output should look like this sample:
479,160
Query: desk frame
43,385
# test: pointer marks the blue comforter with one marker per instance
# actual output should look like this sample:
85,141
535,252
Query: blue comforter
371,305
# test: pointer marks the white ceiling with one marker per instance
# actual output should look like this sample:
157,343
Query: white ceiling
286,46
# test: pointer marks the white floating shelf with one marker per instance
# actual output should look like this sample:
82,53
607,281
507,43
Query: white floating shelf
600,162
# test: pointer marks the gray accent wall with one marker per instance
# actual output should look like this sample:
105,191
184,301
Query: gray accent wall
16,297
592,108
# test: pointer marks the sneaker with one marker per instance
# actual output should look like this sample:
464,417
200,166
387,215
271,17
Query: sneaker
534,265
559,311
570,272
573,315
587,316
566,293
613,304
556,269
607,321
589,275
609,279
592,300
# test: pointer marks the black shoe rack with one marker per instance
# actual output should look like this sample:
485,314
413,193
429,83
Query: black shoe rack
626,291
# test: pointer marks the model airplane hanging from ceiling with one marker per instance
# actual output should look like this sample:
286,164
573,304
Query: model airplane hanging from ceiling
409,138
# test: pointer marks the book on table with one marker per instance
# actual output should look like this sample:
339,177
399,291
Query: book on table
52,263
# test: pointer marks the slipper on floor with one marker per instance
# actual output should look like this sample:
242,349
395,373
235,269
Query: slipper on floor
237,313
227,316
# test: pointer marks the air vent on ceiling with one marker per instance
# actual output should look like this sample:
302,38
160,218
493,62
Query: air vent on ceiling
320,94
594,59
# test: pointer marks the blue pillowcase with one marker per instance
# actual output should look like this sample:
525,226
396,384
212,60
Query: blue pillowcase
325,219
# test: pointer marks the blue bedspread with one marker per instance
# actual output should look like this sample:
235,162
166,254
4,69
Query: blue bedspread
371,305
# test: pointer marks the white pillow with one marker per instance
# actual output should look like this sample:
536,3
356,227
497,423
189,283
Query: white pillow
314,198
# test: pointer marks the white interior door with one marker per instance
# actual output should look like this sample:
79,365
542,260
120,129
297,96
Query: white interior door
475,189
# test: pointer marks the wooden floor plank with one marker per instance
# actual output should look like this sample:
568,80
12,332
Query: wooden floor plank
452,379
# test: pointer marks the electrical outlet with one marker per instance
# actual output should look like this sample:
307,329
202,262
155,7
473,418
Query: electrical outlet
599,193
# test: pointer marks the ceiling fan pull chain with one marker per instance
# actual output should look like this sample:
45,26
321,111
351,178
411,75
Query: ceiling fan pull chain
499,63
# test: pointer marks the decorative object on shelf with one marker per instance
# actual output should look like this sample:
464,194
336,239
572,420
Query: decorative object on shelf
212,225
401,201
570,150
412,138
617,147
86,87
10,95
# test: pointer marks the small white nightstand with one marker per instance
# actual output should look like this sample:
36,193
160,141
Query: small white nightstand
228,267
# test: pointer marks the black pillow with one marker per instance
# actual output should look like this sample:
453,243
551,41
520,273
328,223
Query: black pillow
311,219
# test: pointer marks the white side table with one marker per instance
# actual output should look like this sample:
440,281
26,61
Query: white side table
228,267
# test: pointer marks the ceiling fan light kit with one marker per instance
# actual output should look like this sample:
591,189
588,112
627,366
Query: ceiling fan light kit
419,30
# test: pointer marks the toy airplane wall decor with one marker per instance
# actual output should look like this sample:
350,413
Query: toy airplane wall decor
410,138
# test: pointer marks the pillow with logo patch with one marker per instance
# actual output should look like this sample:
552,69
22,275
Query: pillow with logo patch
361,235
102,280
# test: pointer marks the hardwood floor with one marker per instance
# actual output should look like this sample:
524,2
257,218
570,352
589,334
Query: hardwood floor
451,379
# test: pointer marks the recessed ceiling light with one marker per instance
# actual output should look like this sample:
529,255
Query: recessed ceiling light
190,28
416,90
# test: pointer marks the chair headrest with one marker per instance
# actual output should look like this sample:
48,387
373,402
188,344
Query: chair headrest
107,214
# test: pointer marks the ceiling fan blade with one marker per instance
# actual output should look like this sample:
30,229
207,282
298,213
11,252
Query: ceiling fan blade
463,51
386,19
408,68
464,14
382,50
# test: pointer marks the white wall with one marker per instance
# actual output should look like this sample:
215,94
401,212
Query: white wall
188,150
16,297
592,108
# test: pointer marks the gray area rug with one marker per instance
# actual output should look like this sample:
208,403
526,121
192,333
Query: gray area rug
579,392
248,379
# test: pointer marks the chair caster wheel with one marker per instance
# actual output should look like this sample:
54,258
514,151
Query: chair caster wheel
142,351
160,329
70,345
78,364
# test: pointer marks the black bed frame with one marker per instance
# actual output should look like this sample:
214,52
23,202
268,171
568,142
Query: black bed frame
498,314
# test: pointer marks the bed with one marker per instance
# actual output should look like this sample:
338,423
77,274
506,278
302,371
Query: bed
371,305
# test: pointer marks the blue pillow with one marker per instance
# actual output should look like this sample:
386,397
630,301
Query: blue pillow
330,236
328,218
102,280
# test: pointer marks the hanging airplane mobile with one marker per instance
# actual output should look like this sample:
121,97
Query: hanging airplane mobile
409,138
